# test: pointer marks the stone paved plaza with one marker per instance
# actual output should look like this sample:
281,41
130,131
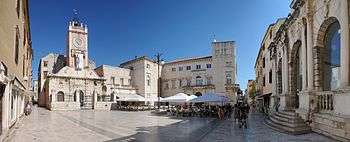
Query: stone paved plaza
85,126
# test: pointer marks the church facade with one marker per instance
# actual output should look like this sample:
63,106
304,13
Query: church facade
310,53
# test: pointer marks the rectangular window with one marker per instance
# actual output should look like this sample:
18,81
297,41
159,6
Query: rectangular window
113,80
263,62
18,8
121,81
188,68
129,81
208,66
148,82
180,82
181,68
270,76
173,69
45,63
264,81
16,45
198,67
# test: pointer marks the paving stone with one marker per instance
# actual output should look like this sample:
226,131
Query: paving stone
110,126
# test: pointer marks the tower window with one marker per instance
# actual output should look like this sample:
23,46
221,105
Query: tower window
188,68
208,66
198,67
45,63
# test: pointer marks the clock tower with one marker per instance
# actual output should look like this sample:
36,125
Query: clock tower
77,45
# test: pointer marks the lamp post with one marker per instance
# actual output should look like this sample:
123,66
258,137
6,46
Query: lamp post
159,61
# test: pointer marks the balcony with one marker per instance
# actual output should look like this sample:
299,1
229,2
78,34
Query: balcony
200,86
325,101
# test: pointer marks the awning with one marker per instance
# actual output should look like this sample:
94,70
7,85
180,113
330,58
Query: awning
210,97
130,98
179,98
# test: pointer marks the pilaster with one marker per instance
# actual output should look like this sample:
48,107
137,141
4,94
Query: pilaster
344,24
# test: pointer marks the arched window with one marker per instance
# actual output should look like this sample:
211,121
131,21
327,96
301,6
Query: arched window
60,96
199,81
332,58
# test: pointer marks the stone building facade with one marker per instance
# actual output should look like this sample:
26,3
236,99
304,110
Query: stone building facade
145,74
209,74
16,55
265,67
313,74
70,82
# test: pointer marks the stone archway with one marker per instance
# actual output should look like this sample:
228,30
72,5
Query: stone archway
319,53
295,76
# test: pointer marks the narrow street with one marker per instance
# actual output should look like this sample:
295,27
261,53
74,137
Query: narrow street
75,126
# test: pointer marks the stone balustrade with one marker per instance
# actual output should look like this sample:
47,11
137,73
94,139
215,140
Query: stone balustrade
325,101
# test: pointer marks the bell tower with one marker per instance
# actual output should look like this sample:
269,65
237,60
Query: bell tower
77,45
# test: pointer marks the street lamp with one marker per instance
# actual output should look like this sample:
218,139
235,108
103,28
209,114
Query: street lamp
159,61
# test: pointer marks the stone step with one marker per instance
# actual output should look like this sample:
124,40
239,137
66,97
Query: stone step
279,114
295,124
285,129
288,113
287,120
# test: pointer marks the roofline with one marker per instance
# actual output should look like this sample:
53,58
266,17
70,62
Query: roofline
188,59
136,59
267,30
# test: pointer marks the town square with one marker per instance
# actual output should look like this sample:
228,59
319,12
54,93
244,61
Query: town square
179,71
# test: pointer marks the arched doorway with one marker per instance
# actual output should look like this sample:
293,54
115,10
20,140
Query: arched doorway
60,96
198,94
296,75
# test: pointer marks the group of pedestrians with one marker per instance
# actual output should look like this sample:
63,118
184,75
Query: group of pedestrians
225,111
241,111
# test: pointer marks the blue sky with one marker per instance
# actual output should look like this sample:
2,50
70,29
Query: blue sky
119,30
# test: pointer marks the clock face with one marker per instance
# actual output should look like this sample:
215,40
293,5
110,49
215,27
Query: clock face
78,42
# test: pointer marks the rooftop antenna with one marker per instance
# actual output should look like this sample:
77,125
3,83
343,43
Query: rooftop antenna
214,37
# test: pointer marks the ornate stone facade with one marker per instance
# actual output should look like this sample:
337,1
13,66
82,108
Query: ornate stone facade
70,82
314,42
